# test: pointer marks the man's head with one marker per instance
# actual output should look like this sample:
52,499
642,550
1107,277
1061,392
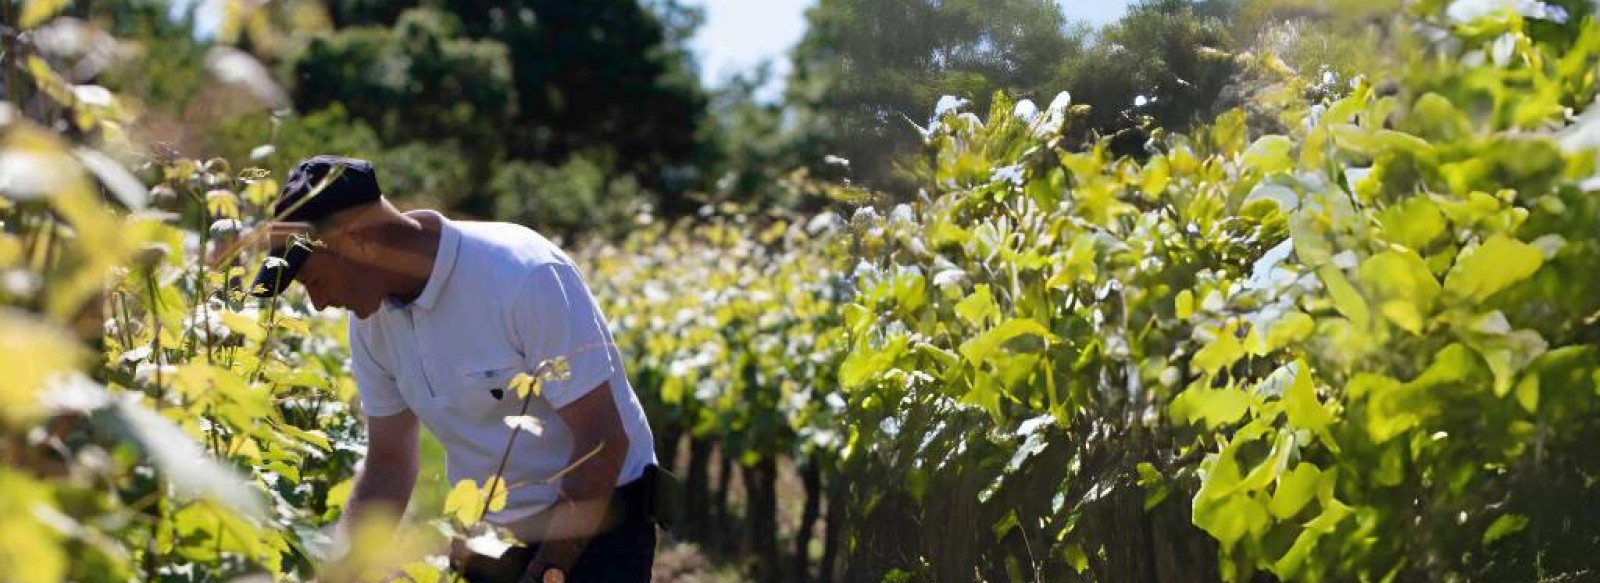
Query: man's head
311,237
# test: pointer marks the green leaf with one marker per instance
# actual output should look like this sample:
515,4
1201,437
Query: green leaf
1333,512
984,393
1228,132
1184,305
1436,117
1293,327
1214,406
1295,488
466,500
338,495
1406,288
1504,526
242,325
1495,265
1301,403
286,471
909,290
1528,393
865,362
1390,407
1506,353
261,192
1288,567
979,308
1076,265
524,384
1156,176
1233,519
314,437
1414,222
1006,524
1073,553
33,552
1220,352
987,345
1154,484
1266,472
858,319
1345,297
36,12
1270,154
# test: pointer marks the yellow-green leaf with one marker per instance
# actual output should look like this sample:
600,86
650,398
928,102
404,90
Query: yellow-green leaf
1346,298
1301,404
1289,329
222,204
1491,267
1295,488
242,325
1414,222
1075,556
1184,305
1220,353
1504,526
465,502
989,343
1404,285
1528,393
979,308
1213,406
31,354
33,552
36,12
1156,176
524,384
496,491
1270,154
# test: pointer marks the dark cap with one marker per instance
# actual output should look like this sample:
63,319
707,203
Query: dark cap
318,188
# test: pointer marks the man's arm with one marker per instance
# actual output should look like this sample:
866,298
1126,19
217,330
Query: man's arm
599,449
388,473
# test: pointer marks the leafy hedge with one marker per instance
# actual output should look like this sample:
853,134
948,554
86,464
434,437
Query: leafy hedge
1358,351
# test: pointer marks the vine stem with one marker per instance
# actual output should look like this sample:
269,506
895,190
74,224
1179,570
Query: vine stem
505,456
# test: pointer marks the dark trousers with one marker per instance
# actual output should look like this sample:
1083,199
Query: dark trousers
624,553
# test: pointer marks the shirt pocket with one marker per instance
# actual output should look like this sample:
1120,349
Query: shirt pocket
482,390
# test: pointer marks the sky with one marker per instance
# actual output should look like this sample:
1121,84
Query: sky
740,33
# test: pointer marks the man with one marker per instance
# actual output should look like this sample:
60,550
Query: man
445,314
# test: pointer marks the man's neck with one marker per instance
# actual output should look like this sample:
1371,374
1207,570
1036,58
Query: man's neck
415,240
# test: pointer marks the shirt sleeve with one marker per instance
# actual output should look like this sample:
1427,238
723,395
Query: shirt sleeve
380,395
556,317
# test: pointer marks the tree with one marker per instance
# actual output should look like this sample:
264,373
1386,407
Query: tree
755,149
1167,59
531,80
866,67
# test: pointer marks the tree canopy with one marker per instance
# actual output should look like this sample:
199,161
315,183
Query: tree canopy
867,67
529,80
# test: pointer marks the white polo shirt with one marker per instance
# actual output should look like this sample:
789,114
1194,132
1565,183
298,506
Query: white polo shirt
501,300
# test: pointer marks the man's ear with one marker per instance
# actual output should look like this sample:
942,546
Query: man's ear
359,243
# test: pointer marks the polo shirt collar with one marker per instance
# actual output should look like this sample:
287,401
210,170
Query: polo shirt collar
444,263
